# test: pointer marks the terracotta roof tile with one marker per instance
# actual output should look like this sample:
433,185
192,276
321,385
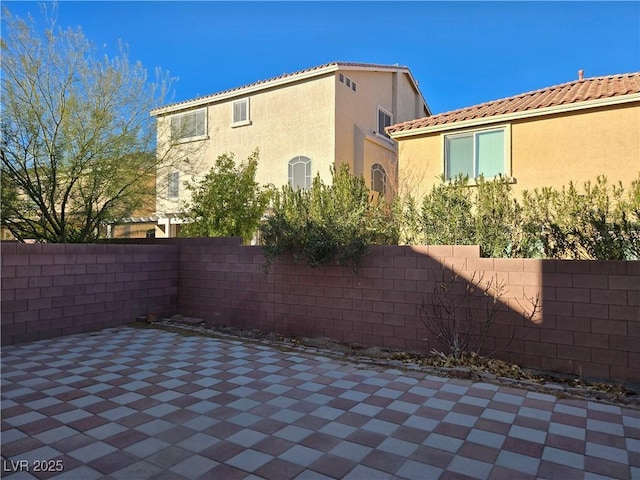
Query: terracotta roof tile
283,76
566,93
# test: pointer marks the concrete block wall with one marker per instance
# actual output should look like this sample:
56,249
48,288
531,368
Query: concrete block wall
588,325
52,290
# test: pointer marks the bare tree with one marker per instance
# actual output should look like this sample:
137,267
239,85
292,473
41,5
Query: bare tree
77,141
460,313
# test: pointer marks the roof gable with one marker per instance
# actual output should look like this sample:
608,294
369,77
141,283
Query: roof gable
575,92
284,79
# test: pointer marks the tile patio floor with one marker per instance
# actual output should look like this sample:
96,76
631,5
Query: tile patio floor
127,404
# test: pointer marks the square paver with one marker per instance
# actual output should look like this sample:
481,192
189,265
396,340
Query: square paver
249,460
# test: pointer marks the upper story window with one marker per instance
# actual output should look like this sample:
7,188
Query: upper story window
384,120
173,185
189,126
378,179
300,173
475,153
241,113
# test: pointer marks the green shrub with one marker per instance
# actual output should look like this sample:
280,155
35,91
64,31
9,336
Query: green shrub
227,201
497,218
447,214
457,213
328,223
600,222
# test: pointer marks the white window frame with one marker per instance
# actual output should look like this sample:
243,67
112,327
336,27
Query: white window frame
381,132
300,159
506,167
173,185
179,138
240,122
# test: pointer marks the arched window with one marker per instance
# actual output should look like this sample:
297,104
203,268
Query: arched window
300,172
378,179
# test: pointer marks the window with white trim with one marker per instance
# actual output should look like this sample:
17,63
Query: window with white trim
189,126
173,185
378,178
475,153
300,173
241,112
384,120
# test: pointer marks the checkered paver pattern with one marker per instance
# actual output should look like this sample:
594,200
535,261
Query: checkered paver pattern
127,404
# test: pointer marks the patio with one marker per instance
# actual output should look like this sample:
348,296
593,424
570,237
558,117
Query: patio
127,403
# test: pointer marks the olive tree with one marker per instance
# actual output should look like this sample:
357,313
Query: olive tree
77,140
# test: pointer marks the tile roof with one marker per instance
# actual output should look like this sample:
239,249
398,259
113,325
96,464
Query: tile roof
566,93
283,77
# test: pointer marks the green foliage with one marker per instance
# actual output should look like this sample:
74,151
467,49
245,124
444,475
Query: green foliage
455,213
228,201
600,221
497,217
76,136
328,223
447,214
407,213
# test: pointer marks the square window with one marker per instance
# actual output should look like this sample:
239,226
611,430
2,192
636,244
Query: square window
341,78
475,153
348,82
241,112
353,86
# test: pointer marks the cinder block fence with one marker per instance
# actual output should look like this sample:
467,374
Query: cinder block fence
589,323
52,290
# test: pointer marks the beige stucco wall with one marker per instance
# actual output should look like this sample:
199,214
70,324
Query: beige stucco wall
320,118
357,141
545,151
554,150
286,122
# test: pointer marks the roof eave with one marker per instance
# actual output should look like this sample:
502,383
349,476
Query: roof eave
457,125
198,102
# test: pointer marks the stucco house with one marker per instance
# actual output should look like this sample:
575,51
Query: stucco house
569,132
303,123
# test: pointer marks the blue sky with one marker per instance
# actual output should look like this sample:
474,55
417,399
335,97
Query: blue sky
462,53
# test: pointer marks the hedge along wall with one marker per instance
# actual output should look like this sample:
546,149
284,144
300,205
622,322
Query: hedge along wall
51,290
589,323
